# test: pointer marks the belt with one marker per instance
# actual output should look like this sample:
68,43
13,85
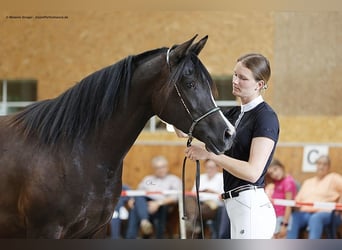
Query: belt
236,191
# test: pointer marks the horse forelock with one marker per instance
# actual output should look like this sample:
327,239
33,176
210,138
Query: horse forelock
81,108
204,75
177,73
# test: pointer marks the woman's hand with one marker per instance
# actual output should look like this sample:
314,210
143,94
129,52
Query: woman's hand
282,233
153,206
195,152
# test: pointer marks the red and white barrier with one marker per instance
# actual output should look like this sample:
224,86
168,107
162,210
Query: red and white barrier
293,203
280,202
144,193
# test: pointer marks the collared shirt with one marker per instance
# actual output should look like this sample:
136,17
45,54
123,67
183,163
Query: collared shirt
252,104
258,120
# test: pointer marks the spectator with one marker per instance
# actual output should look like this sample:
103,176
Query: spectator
115,229
154,208
284,187
211,186
126,203
326,186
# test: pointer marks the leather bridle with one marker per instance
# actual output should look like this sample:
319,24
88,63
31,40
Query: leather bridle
190,138
194,121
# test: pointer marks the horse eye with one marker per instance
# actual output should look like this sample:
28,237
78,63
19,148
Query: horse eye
190,84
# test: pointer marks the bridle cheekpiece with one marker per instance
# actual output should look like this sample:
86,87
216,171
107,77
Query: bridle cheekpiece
194,121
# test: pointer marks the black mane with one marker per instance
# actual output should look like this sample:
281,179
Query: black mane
81,108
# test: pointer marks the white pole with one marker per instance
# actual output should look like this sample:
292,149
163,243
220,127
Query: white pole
181,215
3,110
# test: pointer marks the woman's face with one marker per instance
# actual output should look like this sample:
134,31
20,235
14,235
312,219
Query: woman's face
244,84
276,172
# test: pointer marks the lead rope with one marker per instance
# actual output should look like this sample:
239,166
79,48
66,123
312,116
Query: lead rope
197,183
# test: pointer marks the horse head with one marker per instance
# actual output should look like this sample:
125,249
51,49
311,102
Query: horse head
190,105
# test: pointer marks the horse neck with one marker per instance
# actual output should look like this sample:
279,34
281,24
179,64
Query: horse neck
132,114
125,124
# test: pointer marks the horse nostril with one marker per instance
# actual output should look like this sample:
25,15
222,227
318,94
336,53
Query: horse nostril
226,134
229,136
229,132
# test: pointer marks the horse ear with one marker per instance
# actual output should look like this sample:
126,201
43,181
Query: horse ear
197,47
179,51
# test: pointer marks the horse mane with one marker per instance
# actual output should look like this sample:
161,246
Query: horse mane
81,108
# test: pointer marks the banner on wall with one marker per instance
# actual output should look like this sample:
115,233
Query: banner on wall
310,155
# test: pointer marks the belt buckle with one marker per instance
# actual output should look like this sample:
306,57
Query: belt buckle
226,195
230,194
223,196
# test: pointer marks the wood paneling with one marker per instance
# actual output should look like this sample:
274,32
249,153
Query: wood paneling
137,164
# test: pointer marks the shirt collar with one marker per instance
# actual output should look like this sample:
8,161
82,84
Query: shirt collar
252,104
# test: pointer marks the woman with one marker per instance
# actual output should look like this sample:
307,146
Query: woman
284,187
245,164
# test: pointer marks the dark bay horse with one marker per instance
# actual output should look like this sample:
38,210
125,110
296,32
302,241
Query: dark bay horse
61,159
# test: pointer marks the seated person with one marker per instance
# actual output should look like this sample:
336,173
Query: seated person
115,227
126,203
326,186
211,183
283,187
153,208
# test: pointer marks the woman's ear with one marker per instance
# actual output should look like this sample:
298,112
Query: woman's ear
261,85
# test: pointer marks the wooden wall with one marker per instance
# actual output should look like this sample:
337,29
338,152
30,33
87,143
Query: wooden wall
303,48
138,161
60,52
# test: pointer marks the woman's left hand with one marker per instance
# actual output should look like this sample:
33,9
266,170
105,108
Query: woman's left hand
195,152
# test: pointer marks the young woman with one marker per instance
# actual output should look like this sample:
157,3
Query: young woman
245,164
284,187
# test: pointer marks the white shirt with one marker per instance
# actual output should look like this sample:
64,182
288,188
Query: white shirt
214,184
154,184
252,104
